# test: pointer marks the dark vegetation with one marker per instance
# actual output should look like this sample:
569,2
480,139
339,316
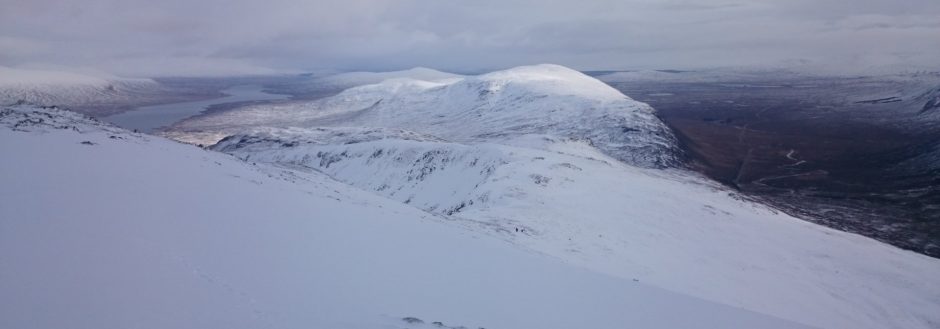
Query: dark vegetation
816,148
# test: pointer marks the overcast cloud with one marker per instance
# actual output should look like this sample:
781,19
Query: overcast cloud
196,37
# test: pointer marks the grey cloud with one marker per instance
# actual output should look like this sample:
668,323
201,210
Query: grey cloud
174,37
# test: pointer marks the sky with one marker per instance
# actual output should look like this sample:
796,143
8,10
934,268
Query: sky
232,37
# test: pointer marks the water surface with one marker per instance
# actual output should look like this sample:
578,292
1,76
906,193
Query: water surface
148,118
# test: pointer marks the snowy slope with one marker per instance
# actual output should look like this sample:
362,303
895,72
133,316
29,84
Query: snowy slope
668,228
68,89
102,228
540,99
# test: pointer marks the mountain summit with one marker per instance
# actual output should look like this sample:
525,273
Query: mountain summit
499,106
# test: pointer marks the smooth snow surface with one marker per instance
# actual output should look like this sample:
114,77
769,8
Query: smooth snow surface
102,228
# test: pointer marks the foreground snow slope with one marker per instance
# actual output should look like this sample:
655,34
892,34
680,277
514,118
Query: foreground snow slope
65,88
669,228
539,99
101,228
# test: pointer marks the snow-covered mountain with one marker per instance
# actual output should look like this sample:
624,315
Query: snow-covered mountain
103,228
70,89
562,164
319,85
353,79
540,99
565,198
535,197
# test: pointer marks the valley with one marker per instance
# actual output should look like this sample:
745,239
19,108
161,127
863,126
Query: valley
699,190
150,118
423,164
792,141
812,147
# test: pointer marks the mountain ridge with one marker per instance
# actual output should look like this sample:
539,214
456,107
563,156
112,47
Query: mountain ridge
540,99
243,245
567,199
